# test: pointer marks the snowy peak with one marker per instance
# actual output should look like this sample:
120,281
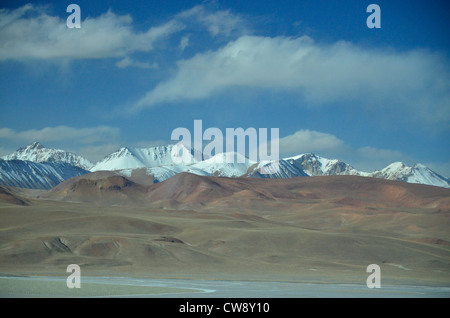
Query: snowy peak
395,171
314,165
34,146
418,173
133,158
227,164
32,152
121,159
307,164
123,152
279,169
37,153
159,162
163,162
229,158
310,164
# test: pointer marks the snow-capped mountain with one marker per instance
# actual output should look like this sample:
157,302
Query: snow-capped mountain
38,153
303,165
314,165
222,165
162,162
33,175
418,173
37,167
133,158
229,164
280,169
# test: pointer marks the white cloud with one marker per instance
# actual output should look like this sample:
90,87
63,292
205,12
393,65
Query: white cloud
127,62
216,22
62,133
184,42
29,33
304,141
414,82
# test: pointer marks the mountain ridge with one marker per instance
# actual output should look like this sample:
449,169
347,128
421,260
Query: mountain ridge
163,162
35,175
36,152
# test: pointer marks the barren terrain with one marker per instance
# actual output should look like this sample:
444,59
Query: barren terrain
317,229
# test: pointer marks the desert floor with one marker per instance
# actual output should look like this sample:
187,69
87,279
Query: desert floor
237,239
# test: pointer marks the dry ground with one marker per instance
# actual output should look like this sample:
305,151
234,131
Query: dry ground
324,229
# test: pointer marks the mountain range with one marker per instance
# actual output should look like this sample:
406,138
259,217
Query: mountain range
38,153
37,167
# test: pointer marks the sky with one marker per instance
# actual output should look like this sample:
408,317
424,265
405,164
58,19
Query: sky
136,70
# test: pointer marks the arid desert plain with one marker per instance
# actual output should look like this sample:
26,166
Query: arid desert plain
323,230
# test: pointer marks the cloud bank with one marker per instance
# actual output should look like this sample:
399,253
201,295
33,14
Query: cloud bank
416,82
28,33
61,133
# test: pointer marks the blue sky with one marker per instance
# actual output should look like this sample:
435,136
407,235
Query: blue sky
135,71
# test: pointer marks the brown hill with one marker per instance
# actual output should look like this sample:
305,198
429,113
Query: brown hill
186,188
190,190
9,197
102,188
